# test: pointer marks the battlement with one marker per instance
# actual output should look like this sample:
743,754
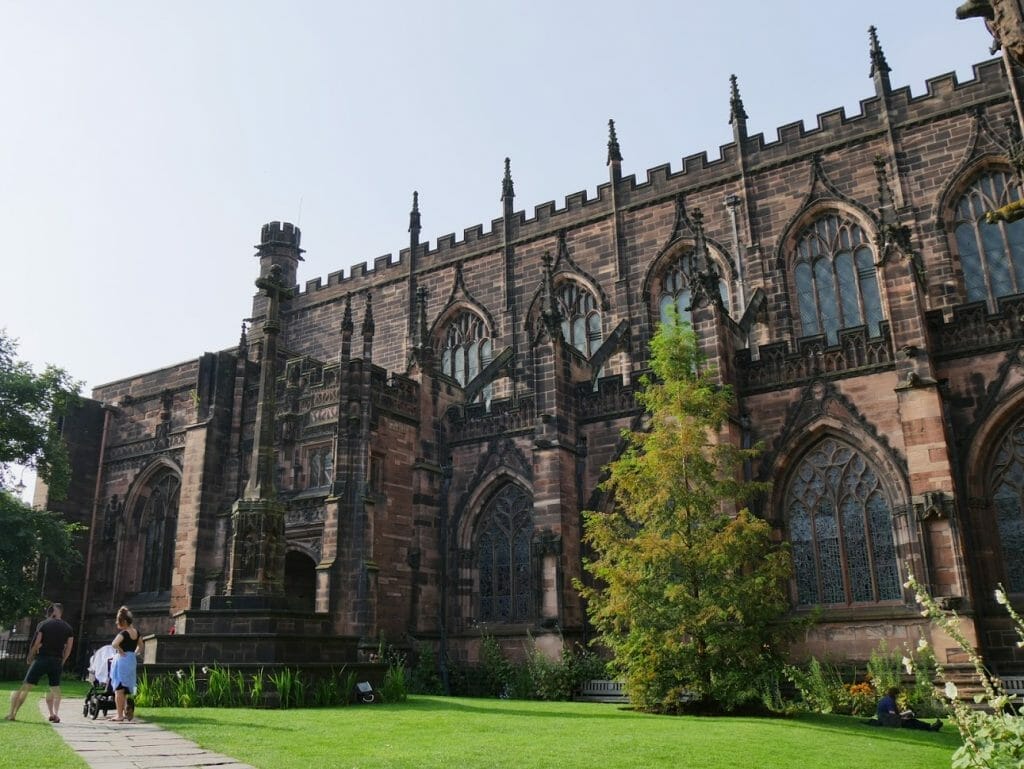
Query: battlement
280,234
834,128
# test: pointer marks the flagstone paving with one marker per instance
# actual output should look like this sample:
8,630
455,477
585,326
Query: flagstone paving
134,744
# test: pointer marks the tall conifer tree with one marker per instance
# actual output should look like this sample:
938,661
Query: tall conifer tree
688,594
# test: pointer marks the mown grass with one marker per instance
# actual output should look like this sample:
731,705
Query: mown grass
31,741
429,732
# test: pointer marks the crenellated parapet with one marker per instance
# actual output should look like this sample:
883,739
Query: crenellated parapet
833,129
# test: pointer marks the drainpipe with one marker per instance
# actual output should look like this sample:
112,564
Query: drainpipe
92,525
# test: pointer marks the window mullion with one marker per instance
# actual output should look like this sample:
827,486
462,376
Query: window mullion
983,259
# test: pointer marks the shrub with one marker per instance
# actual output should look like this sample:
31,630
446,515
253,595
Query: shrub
423,678
495,670
820,686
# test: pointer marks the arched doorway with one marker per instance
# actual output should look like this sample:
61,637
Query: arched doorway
300,581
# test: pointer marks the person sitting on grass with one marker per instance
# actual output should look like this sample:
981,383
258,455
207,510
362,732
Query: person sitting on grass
888,714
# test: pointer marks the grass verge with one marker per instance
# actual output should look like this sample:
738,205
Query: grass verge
31,741
438,732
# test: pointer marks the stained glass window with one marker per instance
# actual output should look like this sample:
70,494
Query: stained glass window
840,529
503,557
991,255
1007,485
160,519
466,349
581,321
836,282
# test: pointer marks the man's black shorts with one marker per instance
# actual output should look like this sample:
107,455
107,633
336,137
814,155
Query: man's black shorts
49,666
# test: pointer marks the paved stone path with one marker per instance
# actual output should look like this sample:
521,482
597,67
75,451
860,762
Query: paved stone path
132,745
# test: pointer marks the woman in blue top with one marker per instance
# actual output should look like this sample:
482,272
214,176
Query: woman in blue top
128,644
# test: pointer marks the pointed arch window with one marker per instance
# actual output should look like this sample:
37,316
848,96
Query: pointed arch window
581,320
1007,490
675,290
991,255
836,281
840,529
503,557
466,349
160,526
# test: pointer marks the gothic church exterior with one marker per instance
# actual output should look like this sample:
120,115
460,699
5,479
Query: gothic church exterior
439,421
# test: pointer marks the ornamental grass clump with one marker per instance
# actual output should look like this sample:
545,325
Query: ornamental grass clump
993,738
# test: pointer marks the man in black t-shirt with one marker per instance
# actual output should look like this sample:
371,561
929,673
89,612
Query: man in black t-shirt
50,649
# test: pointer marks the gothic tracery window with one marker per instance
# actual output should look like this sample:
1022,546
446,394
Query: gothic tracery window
1007,489
991,255
675,291
581,321
840,529
465,348
160,522
503,557
836,282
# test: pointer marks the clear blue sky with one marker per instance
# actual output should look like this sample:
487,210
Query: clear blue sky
143,144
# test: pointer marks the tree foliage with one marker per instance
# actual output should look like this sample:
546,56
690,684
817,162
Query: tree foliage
29,436
689,597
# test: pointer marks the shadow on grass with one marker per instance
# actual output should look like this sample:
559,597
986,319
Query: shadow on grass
157,718
855,727
504,708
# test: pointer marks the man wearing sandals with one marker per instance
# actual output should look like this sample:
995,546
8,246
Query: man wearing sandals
50,649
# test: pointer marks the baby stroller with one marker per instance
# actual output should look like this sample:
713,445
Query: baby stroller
101,694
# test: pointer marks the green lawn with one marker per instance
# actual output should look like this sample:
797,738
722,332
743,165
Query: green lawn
459,733
31,741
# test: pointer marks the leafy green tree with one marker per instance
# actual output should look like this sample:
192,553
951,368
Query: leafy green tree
689,596
29,436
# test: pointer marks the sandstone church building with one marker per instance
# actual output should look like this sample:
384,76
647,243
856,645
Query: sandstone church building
404,451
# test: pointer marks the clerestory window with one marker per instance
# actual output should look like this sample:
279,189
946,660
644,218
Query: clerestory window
991,255
676,292
466,349
840,529
581,321
836,281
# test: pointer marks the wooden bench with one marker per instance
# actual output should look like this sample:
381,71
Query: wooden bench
1014,686
599,690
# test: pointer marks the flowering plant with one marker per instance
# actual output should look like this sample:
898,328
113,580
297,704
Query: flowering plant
992,740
